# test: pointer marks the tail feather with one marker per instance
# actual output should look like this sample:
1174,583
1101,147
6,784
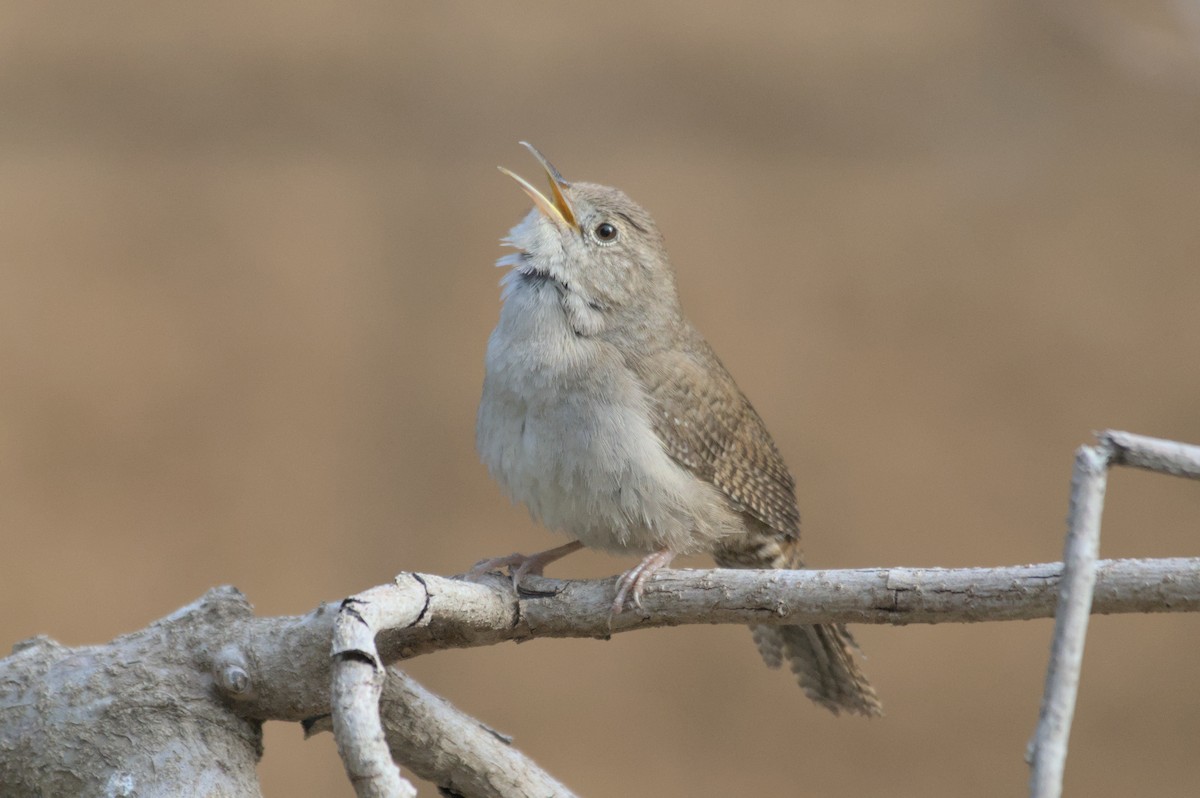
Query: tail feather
770,644
822,658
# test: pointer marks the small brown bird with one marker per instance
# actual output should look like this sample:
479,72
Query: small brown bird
608,415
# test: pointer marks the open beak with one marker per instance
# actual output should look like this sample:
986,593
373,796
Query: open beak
556,209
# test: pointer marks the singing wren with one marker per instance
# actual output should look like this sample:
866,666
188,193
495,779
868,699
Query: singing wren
609,416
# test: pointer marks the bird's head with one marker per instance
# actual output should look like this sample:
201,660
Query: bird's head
597,250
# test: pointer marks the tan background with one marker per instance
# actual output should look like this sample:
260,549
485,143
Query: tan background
246,284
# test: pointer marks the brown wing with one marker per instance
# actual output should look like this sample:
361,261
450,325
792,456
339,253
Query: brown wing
709,427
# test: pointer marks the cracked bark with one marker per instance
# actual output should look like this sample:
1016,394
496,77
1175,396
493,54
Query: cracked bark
177,707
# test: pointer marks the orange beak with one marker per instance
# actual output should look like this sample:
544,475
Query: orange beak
556,208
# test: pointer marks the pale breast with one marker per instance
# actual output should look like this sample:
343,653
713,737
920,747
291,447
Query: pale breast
564,428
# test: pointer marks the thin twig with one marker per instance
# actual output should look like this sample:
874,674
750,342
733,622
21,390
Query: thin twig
465,614
1153,454
1048,754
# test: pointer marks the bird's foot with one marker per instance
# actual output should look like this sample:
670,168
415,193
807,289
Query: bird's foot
633,582
519,565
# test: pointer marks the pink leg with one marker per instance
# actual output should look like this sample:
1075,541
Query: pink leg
633,581
520,564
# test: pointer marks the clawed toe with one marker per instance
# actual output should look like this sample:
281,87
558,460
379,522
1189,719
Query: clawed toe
487,566
521,565
632,583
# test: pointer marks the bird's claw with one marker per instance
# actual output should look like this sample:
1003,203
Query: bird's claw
522,565
632,583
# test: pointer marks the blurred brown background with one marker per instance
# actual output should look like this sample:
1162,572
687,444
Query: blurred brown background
246,283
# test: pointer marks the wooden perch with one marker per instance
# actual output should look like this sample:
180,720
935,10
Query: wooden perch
76,703
177,708
1047,751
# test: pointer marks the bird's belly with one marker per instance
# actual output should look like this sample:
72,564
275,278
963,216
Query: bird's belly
581,468
587,462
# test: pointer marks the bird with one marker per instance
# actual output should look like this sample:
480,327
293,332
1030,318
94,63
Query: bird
608,415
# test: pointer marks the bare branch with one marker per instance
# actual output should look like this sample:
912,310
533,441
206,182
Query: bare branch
454,750
280,668
1153,454
557,608
1048,754
357,684
1047,751
134,717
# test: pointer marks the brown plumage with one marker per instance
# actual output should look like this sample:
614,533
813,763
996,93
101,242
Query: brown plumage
608,415
711,428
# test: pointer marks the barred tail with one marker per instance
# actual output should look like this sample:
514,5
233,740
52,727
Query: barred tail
822,657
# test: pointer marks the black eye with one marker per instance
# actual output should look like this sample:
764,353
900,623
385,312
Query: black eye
605,233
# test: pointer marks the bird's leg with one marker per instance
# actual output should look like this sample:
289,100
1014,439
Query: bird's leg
521,564
633,581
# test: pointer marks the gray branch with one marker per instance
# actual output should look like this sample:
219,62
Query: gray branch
358,677
204,679
1047,752
432,737
1048,749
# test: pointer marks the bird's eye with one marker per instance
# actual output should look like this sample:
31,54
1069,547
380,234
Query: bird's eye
605,233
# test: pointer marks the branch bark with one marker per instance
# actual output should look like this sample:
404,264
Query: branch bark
134,717
76,721
431,736
358,677
898,596
1048,754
